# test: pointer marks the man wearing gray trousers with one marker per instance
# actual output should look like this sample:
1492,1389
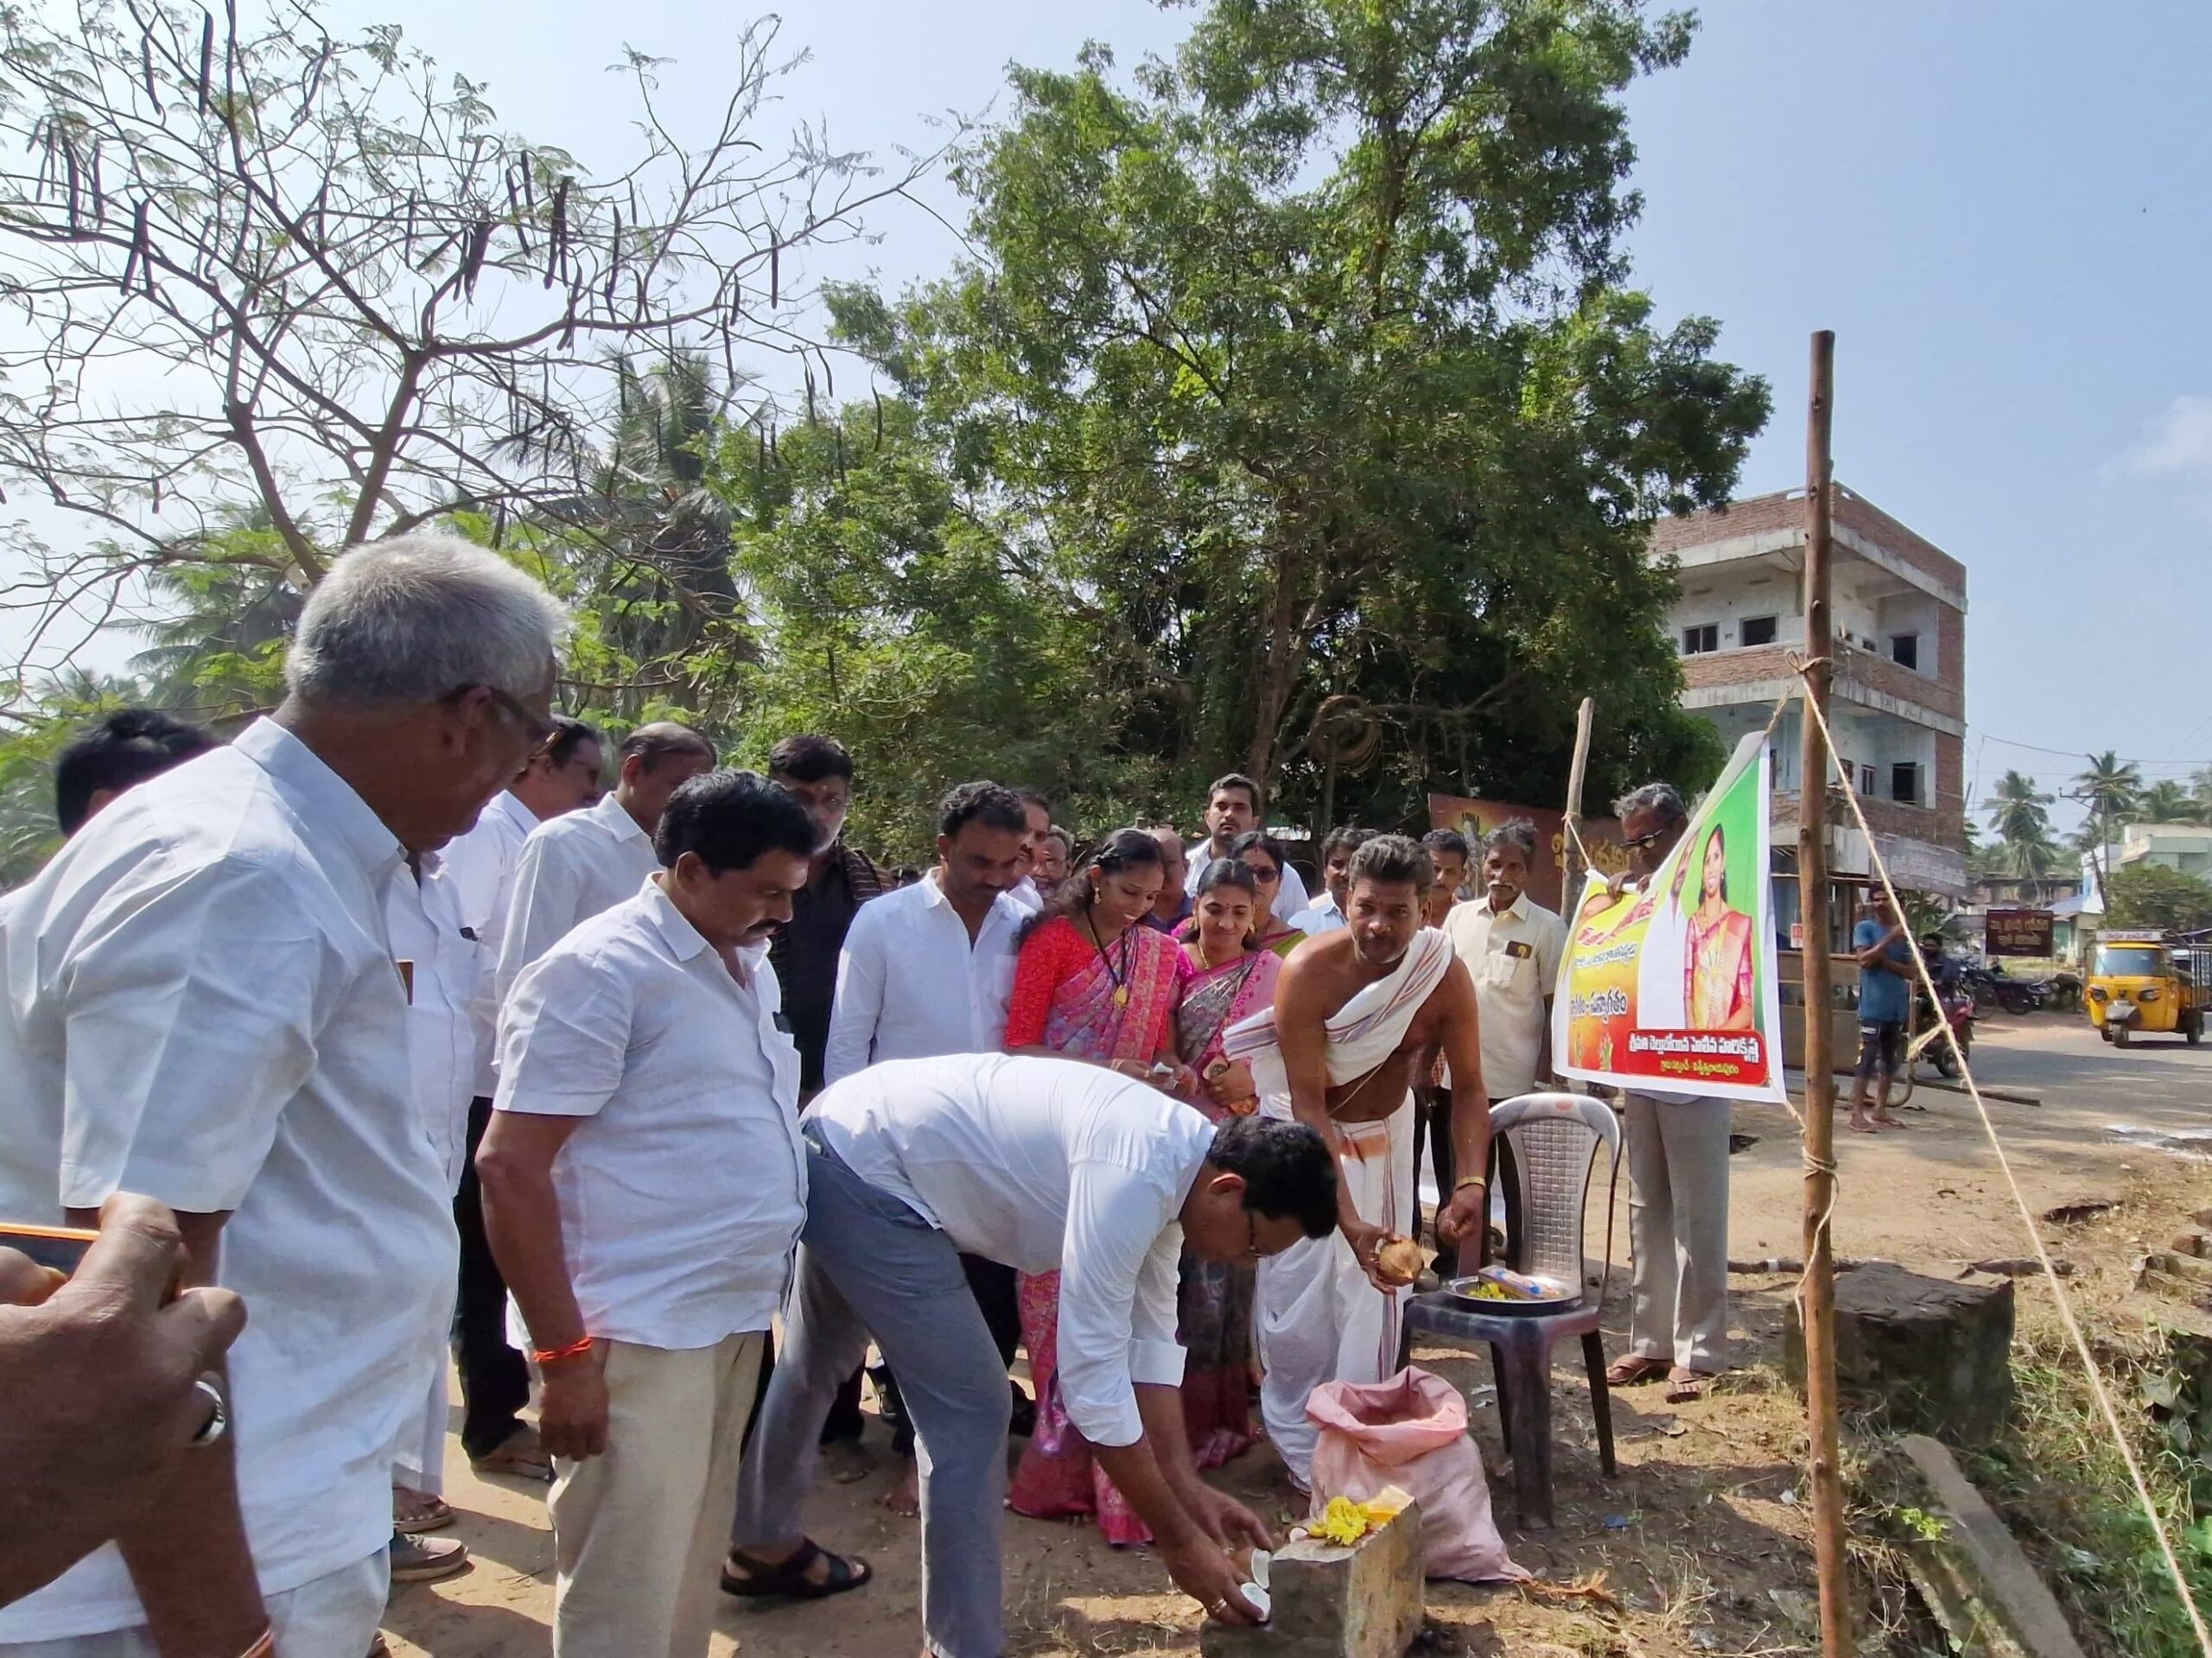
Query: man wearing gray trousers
1043,1165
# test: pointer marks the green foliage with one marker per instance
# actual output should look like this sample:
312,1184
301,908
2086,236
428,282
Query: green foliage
896,616
2169,801
1300,370
2151,895
2060,1481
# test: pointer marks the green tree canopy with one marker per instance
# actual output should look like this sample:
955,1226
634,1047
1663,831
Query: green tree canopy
1301,369
2151,895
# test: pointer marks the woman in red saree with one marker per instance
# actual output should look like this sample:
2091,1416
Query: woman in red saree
1231,978
1717,956
1091,982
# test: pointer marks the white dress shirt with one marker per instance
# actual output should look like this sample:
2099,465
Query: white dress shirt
1290,896
444,971
202,1005
1317,918
481,866
682,1191
571,868
911,984
1514,961
1044,1165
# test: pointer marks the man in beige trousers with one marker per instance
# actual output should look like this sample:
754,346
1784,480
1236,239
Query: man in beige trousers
644,1187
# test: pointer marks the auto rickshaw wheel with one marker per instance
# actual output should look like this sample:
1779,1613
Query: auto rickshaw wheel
2105,1030
2192,1031
2119,1034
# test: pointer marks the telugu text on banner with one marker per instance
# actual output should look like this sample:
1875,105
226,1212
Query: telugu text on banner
1673,988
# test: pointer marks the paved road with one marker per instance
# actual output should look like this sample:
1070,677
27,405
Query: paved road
1932,1191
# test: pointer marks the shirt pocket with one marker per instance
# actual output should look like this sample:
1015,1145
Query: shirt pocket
1504,971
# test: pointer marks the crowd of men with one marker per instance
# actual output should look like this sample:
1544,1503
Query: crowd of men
408,1030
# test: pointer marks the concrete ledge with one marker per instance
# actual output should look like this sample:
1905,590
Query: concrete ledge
1974,1578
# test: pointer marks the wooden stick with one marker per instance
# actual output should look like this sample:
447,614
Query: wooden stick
1571,885
1817,1295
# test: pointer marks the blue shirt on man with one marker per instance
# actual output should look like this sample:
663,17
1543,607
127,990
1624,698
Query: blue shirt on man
1884,998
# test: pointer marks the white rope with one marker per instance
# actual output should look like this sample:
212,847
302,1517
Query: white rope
2019,1199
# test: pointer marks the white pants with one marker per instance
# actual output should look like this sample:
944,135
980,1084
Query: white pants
1319,1319
335,1614
639,1531
1678,1230
418,1462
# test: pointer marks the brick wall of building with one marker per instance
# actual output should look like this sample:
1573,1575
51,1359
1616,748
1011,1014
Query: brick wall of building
1878,673
1736,667
1951,792
1785,510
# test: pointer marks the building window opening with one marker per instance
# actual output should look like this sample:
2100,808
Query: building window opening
1758,630
1904,650
1904,783
1700,638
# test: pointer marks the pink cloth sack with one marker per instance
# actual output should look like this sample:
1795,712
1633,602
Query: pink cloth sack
1411,1432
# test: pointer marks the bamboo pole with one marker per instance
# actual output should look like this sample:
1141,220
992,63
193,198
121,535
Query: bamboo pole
1817,1296
1571,884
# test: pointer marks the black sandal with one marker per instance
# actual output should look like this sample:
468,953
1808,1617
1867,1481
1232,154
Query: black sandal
787,1579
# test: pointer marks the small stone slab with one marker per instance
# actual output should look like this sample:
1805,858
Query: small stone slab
1330,1601
1981,1588
1934,1353
2079,1208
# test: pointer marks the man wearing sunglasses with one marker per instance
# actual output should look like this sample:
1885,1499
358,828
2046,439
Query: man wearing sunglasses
1046,1165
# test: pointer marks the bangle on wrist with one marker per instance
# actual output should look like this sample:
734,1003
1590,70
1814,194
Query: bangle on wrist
264,1647
1466,1180
542,1357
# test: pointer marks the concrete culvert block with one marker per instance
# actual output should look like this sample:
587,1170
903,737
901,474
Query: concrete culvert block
1330,1601
1934,1354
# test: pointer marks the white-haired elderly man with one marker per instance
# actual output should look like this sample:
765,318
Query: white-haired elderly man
203,1005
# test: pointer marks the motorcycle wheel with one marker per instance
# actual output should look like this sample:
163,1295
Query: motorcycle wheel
2017,1003
1945,1063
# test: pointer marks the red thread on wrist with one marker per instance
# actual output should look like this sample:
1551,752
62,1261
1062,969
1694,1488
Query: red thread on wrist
542,1357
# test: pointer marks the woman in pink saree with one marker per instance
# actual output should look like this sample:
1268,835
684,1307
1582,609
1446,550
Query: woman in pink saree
1717,976
1091,982
1232,977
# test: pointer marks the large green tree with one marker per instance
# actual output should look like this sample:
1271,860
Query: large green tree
2149,895
1304,370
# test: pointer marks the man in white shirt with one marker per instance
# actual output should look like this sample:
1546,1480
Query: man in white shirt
1043,1165
202,1005
1511,947
928,970
644,1184
117,751
1038,812
574,866
1328,915
440,964
1233,809
563,777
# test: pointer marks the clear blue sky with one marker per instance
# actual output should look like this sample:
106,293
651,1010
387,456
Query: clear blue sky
2000,207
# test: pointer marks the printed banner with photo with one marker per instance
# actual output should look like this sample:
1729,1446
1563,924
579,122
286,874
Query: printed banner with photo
1673,987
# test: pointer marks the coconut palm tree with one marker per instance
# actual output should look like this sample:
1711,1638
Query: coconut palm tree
2167,802
2108,789
2020,815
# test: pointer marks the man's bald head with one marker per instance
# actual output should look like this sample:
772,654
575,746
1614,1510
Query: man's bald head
652,762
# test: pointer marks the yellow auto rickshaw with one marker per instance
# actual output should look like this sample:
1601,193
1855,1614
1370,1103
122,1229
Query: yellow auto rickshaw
2141,980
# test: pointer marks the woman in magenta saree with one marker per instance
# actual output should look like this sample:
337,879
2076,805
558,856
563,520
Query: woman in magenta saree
1232,977
1091,982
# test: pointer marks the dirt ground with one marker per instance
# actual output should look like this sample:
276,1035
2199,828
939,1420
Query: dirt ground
1701,1541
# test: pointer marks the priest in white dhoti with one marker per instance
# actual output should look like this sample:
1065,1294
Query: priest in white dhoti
1359,1013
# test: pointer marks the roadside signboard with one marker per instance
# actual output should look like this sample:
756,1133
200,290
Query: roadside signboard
2017,932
